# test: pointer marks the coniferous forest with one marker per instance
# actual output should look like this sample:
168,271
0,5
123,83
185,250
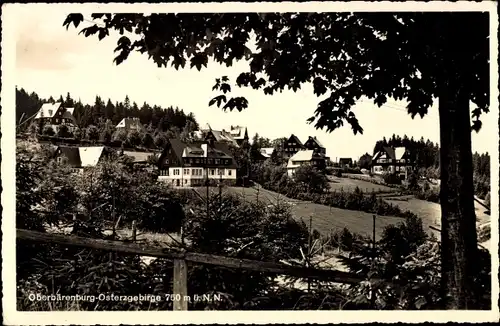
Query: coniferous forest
425,154
97,120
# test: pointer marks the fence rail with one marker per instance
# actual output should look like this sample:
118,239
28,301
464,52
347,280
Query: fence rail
180,259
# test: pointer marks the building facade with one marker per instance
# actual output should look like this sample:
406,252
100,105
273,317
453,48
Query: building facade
79,158
393,160
304,157
291,146
55,115
129,124
193,164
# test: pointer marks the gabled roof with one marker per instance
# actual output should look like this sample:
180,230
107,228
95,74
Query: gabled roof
223,136
48,110
90,156
267,151
300,156
184,150
238,132
393,153
129,122
294,139
317,141
72,154
81,156
399,152
305,155
345,159
68,114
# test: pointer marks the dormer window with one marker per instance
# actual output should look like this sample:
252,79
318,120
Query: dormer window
50,112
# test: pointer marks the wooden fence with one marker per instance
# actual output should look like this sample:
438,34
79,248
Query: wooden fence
180,259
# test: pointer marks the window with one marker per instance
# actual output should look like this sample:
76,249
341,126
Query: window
176,172
57,120
229,172
217,161
221,172
166,161
185,181
197,160
212,171
50,112
59,159
186,171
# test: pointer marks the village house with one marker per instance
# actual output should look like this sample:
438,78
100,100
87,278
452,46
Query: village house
267,152
129,124
345,162
236,136
55,115
192,164
313,143
239,134
303,157
79,158
292,146
392,160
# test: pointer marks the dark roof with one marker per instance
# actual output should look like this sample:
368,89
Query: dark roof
345,160
315,140
294,138
72,154
390,152
218,150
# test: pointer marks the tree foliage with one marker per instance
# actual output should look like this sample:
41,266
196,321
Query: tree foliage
344,55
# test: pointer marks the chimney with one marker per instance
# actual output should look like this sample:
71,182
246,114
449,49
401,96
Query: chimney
204,147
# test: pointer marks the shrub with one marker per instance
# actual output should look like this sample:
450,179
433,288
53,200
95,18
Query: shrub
48,131
391,178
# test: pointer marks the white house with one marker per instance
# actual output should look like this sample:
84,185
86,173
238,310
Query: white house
80,157
303,157
55,115
392,160
193,164
267,152
128,124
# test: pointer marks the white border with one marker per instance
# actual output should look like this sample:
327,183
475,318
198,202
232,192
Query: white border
12,317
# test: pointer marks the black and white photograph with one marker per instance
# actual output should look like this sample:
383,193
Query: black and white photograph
268,159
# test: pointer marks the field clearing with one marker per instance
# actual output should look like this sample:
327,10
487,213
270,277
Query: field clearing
349,185
325,219
430,213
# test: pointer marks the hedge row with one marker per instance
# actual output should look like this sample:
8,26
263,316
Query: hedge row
356,200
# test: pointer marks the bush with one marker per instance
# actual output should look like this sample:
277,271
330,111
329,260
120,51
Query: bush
431,194
391,178
48,131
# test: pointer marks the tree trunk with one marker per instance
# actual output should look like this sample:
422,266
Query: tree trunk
458,220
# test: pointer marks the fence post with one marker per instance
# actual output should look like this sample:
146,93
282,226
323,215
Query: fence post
180,285
374,217
134,231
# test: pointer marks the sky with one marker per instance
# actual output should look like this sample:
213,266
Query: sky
52,61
